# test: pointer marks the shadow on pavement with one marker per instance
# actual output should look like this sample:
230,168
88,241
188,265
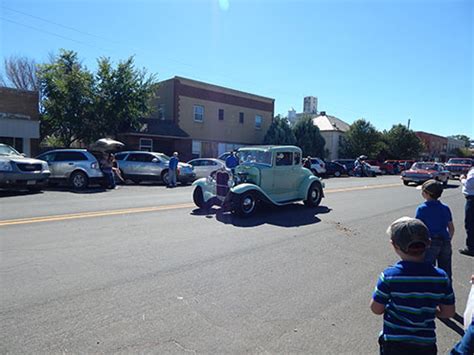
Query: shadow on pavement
294,215
450,324
12,193
89,190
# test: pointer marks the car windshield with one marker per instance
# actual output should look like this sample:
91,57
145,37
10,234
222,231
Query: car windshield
459,161
255,156
163,156
424,166
7,150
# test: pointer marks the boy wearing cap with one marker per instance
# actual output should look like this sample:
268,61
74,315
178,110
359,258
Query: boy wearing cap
411,294
437,217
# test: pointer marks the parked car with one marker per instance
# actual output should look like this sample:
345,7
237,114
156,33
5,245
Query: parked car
223,156
348,163
423,171
203,167
318,166
78,167
384,167
335,169
17,171
459,166
268,174
141,166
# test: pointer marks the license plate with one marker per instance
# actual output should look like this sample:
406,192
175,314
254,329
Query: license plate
31,182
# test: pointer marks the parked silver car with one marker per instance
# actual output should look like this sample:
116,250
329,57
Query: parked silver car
203,167
141,166
78,167
18,171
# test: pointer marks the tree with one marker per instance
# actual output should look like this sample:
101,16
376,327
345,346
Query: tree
361,139
279,133
402,142
309,138
20,73
67,98
462,137
123,97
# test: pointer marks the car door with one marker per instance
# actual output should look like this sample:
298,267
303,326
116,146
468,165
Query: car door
65,163
49,158
283,176
198,168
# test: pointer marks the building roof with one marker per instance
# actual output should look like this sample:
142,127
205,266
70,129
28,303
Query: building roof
166,128
330,123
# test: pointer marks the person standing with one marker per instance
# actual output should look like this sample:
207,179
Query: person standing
232,161
307,163
173,169
411,293
437,217
468,191
106,167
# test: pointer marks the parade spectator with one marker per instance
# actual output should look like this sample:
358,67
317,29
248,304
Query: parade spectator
106,165
466,344
437,217
232,162
307,163
116,168
173,169
468,191
409,322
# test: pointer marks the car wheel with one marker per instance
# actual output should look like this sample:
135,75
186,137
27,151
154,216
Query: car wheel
314,196
165,177
337,173
405,183
246,204
79,180
198,198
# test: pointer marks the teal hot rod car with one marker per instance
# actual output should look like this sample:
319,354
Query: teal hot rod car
269,174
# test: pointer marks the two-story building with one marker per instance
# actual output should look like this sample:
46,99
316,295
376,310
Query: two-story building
435,147
198,119
19,120
332,129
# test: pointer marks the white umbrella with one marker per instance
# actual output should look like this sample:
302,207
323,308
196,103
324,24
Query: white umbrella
106,144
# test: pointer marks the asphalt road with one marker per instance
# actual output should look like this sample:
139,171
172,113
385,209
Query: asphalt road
140,270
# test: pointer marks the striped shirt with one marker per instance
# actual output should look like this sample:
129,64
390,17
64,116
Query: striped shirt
411,293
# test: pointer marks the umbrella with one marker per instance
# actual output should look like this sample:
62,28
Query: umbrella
105,145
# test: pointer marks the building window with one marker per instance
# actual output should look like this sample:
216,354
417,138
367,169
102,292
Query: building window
198,113
241,117
146,144
258,122
221,114
161,112
197,146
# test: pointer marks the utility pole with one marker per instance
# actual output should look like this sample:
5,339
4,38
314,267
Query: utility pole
408,126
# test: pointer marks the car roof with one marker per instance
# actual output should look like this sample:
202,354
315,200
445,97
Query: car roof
67,150
271,147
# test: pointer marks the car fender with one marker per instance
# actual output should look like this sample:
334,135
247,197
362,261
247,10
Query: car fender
208,189
76,169
304,187
246,187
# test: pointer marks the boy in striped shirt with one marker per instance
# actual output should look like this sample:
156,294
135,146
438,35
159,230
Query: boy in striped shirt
411,294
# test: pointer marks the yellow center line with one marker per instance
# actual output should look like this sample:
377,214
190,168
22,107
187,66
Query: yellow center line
63,217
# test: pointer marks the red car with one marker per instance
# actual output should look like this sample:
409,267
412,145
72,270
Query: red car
459,166
423,171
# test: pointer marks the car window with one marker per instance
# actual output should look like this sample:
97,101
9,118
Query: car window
120,156
49,157
139,157
284,159
69,156
297,158
196,163
212,162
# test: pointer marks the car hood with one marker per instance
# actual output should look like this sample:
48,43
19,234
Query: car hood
20,159
461,165
420,171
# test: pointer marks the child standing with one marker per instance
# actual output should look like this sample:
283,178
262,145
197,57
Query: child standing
411,294
437,217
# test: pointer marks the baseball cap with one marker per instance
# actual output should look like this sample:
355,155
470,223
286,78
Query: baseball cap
410,235
432,188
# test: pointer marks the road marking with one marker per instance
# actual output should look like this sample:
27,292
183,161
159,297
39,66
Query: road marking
63,217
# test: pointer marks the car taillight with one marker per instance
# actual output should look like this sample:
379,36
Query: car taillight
94,166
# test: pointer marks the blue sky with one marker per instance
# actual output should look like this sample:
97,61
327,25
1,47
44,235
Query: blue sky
385,61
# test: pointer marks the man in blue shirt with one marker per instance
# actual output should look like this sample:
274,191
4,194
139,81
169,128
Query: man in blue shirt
232,161
173,169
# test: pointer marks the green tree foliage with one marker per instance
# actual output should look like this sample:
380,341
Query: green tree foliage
309,138
80,106
361,139
462,137
279,133
67,94
402,143
123,97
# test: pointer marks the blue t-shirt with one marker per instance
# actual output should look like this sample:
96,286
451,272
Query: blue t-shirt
411,292
436,216
232,161
173,163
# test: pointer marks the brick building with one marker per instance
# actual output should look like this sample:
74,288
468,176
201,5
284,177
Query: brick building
19,120
435,147
200,119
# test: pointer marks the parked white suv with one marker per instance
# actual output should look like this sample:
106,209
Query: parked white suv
318,167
